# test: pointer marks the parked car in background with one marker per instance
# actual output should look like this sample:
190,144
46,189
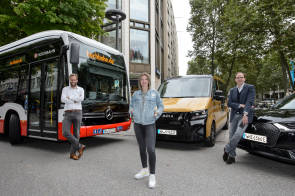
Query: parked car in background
195,109
272,132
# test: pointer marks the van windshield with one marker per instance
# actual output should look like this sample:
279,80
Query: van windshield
185,87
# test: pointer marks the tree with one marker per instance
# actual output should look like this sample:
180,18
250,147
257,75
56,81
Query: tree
276,20
199,65
20,18
270,76
248,32
204,26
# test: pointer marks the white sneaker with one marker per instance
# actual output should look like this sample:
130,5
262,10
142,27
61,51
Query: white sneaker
152,181
141,174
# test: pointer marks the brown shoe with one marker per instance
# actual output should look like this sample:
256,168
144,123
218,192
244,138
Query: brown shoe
73,156
81,151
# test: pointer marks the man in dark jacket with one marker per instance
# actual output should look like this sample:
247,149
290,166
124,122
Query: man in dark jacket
241,99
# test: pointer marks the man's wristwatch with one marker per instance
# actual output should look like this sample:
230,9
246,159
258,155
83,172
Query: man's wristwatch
245,113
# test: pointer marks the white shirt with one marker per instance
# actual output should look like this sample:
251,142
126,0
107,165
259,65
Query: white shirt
72,97
241,88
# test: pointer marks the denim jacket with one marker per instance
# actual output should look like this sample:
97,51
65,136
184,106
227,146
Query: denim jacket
144,114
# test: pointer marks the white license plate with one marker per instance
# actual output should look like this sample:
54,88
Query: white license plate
167,132
112,130
256,138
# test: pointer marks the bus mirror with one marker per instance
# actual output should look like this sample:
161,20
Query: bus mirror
75,52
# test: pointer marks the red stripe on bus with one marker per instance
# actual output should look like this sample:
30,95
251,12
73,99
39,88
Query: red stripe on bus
1,126
88,131
23,128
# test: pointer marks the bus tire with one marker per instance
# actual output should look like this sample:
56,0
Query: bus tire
14,129
210,141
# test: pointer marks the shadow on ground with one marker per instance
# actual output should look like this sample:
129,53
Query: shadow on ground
61,147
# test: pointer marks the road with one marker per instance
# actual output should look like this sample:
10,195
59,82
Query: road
107,167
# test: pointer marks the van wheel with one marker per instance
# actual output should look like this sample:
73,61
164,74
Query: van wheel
14,129
210,141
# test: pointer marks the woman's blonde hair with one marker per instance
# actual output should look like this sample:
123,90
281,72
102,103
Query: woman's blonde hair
148,77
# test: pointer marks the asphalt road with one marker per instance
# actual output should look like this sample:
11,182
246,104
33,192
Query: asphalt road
109,163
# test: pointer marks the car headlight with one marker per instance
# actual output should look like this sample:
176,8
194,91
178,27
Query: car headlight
282,127
200,114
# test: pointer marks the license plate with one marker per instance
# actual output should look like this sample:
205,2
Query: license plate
112,130
167,132
256,138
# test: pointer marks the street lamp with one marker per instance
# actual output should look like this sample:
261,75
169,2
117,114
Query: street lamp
117,16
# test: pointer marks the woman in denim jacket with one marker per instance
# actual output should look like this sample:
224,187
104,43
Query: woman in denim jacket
146,107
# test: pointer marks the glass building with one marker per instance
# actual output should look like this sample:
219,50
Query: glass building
147,38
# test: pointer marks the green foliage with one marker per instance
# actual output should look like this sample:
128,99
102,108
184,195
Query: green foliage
20,18
256,37
200,65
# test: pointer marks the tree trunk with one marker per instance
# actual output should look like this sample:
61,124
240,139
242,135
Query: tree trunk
285,69
213,51
231,67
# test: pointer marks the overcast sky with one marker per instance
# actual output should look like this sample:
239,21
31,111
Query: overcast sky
181,10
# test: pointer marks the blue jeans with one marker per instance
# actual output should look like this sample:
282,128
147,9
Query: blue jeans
146,139
235,134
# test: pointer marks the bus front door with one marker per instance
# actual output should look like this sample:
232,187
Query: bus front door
42,114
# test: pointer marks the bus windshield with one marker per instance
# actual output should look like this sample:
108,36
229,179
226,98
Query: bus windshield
102,75
185,87
101,84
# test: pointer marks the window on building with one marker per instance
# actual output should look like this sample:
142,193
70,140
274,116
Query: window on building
110,27
139,46
111,4
158,58
110,39
139,10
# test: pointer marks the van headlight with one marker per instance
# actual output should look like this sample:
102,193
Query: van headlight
200,114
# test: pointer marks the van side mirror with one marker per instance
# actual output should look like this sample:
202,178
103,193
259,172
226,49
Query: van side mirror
218,95
74,53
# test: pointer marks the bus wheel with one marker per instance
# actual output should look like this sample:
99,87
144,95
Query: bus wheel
210,141
14,129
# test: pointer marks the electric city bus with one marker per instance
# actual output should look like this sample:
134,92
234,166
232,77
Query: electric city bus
33,72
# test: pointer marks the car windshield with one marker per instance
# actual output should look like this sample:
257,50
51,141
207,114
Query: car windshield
185,87
287,103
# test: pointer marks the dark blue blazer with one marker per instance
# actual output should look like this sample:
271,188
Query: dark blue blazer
247,97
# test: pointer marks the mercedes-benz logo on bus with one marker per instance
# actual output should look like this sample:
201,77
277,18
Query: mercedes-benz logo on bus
109,113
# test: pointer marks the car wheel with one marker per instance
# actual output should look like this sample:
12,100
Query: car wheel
211,139
14,129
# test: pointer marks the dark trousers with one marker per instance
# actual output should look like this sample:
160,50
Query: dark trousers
146,139
72,118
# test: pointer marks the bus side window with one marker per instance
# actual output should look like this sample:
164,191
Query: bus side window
22,91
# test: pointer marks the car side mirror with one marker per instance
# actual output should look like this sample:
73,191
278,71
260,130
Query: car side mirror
74,53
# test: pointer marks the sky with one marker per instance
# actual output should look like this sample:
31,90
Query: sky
181,9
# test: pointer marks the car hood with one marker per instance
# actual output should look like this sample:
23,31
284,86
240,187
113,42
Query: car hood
276,115
185,104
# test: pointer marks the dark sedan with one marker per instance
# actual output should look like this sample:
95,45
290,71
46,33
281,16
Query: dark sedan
272,132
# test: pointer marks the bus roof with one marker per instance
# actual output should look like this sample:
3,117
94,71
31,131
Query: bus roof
56,34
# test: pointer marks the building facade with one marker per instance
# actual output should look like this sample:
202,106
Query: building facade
147,38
